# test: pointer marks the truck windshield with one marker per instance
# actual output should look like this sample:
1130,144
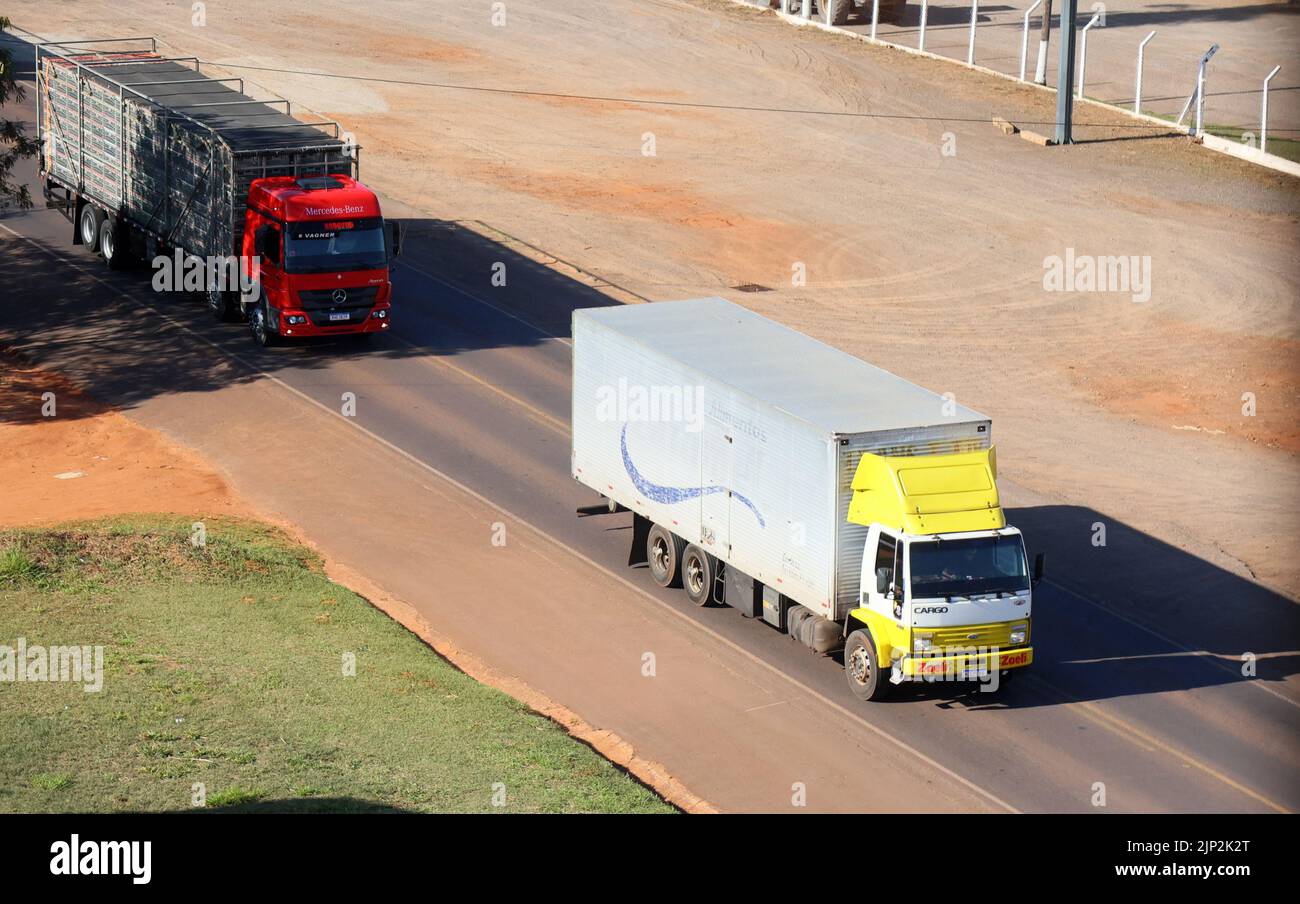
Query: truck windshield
329,247
963,567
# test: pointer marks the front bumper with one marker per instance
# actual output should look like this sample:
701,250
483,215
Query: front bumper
973,665
370,324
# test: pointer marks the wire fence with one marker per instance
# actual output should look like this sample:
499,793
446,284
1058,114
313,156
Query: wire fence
1214,68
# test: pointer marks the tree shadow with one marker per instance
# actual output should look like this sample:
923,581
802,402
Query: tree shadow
124,343
301,805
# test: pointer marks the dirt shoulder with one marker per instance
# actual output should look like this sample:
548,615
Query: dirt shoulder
86,461
66,457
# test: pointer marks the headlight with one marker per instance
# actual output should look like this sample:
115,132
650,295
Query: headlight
381,314
922,643
1019,633
296,318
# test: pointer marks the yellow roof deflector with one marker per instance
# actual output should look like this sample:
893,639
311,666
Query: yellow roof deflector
928,494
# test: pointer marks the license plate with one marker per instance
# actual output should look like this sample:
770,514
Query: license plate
343,316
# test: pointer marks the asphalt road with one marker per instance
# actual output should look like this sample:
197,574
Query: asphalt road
477,385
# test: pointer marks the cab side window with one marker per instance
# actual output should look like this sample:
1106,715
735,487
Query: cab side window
884,563
273,243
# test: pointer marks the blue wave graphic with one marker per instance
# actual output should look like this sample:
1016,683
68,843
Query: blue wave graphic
670,495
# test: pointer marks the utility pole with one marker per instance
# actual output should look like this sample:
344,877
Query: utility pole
1044,36
1065,75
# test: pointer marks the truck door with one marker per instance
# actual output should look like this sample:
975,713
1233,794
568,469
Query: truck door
272,263
716,463
886,571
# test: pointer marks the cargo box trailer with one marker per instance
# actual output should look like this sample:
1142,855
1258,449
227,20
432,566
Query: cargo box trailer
803,486
150,157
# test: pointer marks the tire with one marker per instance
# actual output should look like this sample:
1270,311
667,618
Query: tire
663,553
835,12
697,575
88,225
1010,676
892,13
866,679
259,322
115,255
222,306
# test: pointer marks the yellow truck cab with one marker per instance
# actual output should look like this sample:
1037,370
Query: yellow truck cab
946,592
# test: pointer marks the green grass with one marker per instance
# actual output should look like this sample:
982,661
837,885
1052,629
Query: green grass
1287,148
223,665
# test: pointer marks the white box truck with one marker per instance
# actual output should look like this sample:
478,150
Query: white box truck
772,473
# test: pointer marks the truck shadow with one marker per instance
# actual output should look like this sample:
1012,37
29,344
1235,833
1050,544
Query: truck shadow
1136,616
457,289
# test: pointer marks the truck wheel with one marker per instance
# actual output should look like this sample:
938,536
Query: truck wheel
222,306
115,256
697,575
835,12
89,226
866,679
892,13
259,320
664,555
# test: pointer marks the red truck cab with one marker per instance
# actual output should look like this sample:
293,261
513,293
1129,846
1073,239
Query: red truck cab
322,257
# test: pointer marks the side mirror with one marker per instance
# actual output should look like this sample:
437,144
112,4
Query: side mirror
395,239
259,240
1040,563
882,580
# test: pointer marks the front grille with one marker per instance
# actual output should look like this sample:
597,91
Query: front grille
998,635
319,304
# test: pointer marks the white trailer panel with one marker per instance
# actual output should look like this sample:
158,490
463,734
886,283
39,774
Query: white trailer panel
741,435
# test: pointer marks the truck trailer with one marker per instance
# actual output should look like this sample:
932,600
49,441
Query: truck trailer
804,487
151,159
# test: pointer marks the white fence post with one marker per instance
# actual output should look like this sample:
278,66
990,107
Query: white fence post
970,45
875,17
925,10
1137,91
1263,113
1200,88
1083,49
1024,39
806,12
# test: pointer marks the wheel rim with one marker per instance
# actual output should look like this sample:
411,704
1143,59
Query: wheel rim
259,325
106,244
860,665
659,555
695,575
87,227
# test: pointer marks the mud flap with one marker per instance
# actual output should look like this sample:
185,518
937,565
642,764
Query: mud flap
640,533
